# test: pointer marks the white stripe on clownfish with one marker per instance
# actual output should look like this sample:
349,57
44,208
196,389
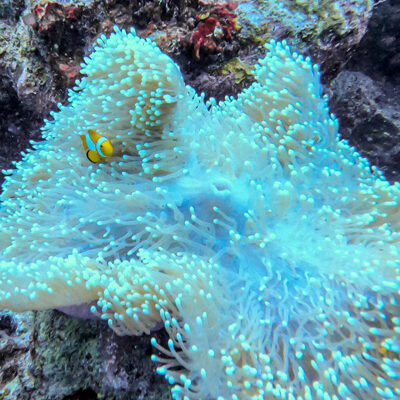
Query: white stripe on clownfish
100,141
90,143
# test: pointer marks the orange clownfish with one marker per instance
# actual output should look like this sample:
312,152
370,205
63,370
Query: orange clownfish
97,147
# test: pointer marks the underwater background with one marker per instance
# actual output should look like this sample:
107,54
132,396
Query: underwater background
216,44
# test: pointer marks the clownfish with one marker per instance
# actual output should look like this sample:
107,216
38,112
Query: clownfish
97,147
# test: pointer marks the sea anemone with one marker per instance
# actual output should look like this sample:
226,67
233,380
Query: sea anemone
267,246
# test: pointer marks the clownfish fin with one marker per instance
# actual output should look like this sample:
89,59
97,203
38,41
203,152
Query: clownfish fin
84,143
93,156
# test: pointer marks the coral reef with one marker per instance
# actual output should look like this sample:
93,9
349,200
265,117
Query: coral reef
48,13
10,10
48,355
340,16
217,24
312,19
267,246
22,87
15,346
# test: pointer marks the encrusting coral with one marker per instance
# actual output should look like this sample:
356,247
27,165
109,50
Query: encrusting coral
266,245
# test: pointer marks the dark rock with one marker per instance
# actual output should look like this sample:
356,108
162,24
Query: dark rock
369,117
366,96
378,54
11,10
18,125
48,355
